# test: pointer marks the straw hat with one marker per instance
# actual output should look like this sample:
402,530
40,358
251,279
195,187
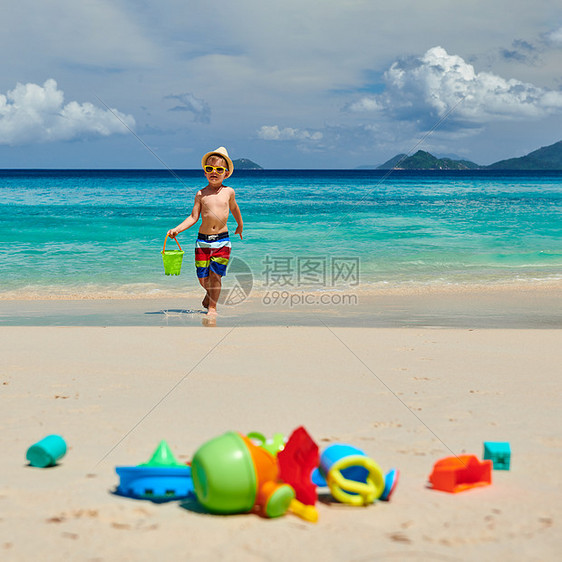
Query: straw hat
222,152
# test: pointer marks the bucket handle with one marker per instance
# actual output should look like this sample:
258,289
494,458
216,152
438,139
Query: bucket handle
166,239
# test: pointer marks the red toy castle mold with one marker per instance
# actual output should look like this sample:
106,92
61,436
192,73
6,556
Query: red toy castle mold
456,474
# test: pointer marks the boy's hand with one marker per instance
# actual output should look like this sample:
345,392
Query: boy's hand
239,231
172,233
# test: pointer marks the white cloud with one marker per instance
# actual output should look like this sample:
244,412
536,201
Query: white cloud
189,103
274,133
364,104
556,36
31,113
425,89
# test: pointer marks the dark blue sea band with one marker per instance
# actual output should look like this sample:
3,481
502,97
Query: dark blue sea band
212,237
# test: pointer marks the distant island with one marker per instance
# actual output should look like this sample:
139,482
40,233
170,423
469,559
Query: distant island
245,164
425,161
545,158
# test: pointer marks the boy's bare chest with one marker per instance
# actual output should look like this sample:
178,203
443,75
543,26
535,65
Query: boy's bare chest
214,201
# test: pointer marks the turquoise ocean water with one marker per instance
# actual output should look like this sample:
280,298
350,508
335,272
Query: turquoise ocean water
98,233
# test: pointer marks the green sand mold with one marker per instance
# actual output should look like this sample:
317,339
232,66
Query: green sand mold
163,457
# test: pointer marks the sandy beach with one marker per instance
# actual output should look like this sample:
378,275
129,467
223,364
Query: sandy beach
407,396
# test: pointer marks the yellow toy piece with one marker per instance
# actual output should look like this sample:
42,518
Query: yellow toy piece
307,512
353,492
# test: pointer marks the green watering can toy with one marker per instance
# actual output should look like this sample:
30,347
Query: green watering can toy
172,258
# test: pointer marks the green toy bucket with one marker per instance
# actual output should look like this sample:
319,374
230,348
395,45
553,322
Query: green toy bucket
172,259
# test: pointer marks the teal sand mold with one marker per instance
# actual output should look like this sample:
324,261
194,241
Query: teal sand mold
46,452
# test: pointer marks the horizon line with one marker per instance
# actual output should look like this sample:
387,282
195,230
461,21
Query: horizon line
356,169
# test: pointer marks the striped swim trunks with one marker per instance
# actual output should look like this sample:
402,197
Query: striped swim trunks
212,252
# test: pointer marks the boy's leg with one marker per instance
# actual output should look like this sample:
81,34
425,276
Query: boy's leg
202,262
217,268
214,285
204,281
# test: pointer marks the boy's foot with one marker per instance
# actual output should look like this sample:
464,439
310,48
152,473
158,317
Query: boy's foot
209,321
211,311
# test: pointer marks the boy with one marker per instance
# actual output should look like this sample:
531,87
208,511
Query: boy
213,203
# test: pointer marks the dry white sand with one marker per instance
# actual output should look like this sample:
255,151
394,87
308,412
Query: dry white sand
407,397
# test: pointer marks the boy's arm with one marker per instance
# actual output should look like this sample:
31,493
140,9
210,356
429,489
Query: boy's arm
190,220
235,210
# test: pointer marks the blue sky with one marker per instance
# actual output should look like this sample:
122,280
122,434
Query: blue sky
292,84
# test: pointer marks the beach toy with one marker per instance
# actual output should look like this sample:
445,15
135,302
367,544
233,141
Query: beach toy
172,258
307,512
232,475
499,453
273,445
296,462
456,474
353,478
162,478
390,482
46,452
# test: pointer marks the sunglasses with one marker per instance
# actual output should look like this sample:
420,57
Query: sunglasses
217,169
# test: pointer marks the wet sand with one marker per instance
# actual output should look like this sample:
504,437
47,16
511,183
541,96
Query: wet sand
521,306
